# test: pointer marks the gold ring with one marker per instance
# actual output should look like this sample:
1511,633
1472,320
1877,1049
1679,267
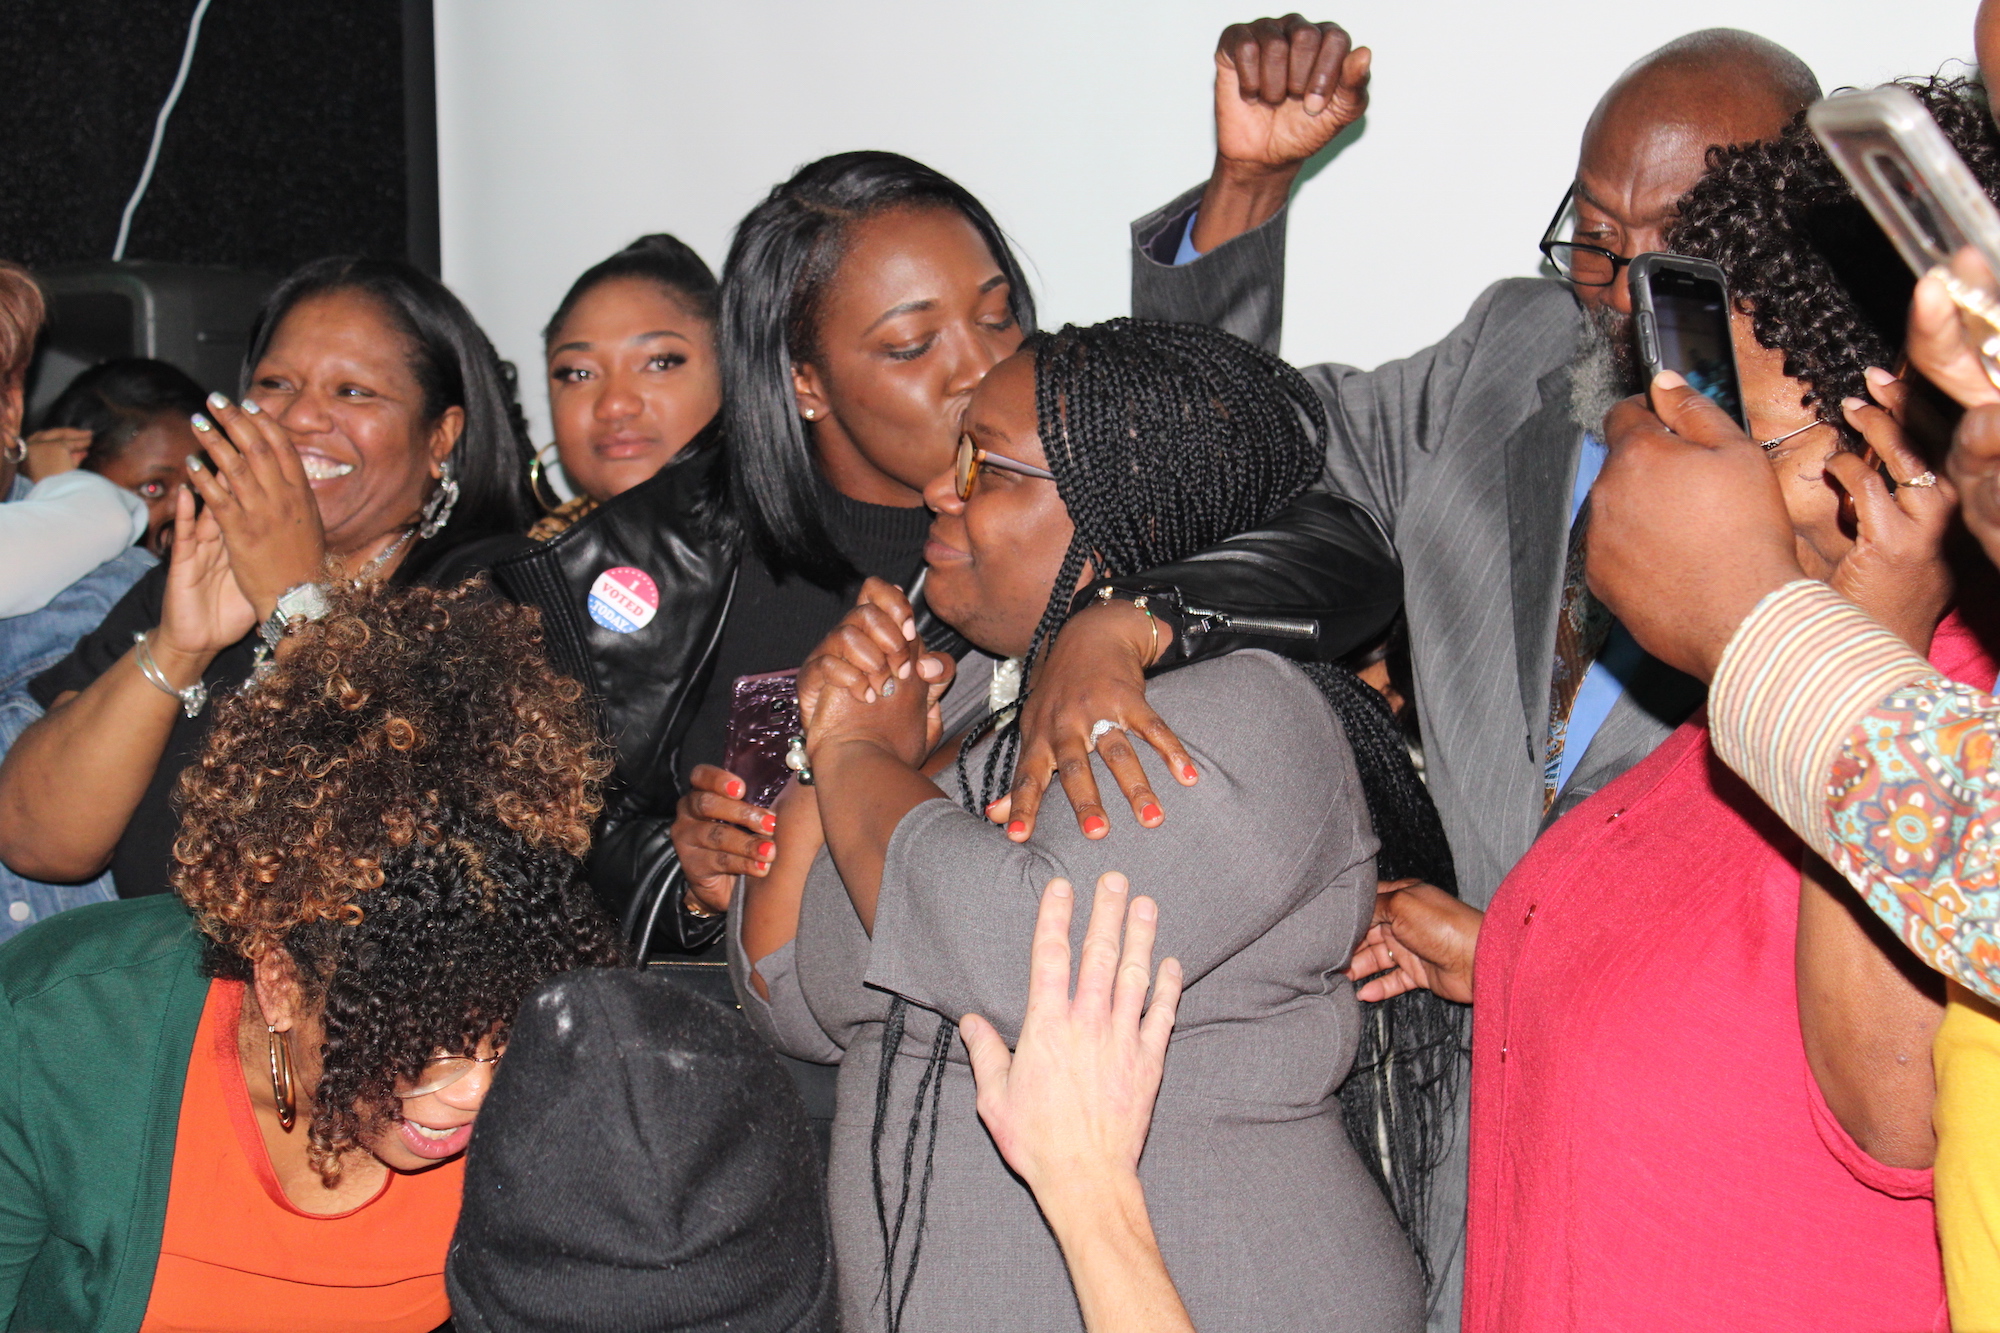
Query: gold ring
1924,478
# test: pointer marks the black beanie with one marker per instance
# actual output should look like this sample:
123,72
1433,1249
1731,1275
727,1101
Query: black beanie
642,1162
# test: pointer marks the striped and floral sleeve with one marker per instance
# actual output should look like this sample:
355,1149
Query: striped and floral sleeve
1882,765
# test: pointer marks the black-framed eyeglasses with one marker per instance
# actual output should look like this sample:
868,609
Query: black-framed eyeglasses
971,458
1584,265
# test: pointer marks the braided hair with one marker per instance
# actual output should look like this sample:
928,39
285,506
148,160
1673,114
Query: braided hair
1165,439
1819,279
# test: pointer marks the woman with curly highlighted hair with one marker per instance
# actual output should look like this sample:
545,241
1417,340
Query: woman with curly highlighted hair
243,1106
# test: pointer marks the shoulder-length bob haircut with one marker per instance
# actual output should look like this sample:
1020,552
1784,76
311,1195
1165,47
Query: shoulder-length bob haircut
455,365
785,252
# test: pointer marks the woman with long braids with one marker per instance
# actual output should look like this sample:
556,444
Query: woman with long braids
1090,452
243,1105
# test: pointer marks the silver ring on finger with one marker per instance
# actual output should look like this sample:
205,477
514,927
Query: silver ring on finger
1098,728
1922,479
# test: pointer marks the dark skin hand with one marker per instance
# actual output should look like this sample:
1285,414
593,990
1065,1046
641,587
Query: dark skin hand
1283,89
1645,145
1422,939
717,834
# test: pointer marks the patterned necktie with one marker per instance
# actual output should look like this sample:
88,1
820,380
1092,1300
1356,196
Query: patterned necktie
1580,635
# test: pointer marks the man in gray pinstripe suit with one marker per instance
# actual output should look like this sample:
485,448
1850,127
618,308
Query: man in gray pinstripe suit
1476,453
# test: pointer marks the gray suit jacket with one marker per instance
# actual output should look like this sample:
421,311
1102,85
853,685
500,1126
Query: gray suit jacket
1466,451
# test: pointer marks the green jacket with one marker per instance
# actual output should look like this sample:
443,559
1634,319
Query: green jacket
98,1010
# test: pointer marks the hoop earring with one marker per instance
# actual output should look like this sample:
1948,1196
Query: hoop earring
538,481
437,509
281,1080
17,452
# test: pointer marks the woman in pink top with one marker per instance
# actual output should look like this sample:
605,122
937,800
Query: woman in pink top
1701,1086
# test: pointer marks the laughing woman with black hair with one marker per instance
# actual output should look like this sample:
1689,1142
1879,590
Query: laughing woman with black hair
377,440
1091,452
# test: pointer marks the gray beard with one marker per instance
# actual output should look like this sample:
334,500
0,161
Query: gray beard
1604,370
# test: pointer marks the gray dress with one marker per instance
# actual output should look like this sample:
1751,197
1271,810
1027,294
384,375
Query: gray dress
1264,872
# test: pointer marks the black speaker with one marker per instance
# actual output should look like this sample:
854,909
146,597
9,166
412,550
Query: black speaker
196,317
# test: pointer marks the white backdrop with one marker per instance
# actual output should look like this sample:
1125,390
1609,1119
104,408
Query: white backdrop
568,127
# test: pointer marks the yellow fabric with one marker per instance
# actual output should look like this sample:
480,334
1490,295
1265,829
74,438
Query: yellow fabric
1967,1119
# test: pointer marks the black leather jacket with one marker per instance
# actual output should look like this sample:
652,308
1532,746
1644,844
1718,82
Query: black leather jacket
1319,582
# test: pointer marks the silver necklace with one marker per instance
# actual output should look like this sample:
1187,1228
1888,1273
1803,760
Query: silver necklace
388,554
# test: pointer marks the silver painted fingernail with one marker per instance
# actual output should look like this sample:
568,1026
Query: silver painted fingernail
194,460
888,687
201,423
252,408
217,403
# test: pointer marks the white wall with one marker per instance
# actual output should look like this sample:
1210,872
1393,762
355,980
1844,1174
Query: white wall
567,127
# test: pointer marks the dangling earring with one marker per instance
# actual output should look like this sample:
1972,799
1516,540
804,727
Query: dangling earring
437,509
281,1080
538,481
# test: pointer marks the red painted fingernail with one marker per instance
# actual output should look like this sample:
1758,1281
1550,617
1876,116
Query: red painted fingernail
763,867
1094,826
766,850
736,788
770,823
1187,771
1016,826
1149,812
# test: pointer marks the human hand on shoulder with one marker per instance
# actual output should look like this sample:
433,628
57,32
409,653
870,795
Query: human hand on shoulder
1095,671
1070,1107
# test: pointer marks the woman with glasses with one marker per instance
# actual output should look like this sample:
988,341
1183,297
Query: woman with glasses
1091,452
243,1106
862,303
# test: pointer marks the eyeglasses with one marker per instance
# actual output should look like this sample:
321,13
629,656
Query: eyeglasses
971,458
1584,265
442,1073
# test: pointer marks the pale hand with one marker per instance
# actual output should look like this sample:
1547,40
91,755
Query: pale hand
1071,1106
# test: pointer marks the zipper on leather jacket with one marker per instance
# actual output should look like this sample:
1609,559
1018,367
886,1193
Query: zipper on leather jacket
1202,620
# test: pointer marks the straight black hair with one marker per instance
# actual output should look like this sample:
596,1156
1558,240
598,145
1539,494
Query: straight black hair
115,400
455,365
785,252
659,258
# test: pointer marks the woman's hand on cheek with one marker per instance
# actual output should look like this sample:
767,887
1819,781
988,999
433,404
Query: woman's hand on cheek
259,493
1095,671
1895,570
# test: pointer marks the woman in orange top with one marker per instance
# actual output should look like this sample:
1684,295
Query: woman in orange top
243,1107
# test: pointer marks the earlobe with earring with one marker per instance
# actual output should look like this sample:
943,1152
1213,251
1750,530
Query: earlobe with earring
16,451
812,414
281,1080
437,509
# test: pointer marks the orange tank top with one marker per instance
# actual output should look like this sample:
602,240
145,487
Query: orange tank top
238,1257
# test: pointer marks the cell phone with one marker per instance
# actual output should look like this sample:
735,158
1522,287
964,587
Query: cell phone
1680,313
1908,174
1920,192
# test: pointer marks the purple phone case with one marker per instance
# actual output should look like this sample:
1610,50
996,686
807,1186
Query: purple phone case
763,717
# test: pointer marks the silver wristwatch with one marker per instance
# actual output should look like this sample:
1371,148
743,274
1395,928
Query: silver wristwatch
301,601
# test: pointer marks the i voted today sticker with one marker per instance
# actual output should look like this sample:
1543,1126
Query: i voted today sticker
624,599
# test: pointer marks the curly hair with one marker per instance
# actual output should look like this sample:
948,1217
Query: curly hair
401,804
1820,281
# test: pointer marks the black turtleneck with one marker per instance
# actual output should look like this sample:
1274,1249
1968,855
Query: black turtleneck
774,623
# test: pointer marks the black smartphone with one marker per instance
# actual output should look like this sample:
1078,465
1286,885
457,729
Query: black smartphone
1680,314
